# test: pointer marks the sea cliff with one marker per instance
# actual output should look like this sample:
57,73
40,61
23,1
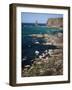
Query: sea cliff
55,22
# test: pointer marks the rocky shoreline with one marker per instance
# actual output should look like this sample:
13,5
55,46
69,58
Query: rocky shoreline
50,39
50,62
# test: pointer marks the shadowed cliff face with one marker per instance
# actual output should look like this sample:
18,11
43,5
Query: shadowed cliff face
55,22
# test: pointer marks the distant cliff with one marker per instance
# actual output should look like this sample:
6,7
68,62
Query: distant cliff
55,22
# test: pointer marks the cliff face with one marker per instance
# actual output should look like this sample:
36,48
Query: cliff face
55,22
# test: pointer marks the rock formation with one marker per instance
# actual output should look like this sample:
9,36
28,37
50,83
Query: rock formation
55,22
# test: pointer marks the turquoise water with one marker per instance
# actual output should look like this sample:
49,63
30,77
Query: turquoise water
28,30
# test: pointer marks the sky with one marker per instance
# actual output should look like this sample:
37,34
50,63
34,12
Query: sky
27,17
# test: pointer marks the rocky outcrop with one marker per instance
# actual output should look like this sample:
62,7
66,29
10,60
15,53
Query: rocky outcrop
55,22
48,66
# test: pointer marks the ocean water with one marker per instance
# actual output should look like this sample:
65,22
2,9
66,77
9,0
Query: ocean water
28,42
31,29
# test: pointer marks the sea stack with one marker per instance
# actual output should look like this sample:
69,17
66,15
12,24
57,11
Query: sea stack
36,23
